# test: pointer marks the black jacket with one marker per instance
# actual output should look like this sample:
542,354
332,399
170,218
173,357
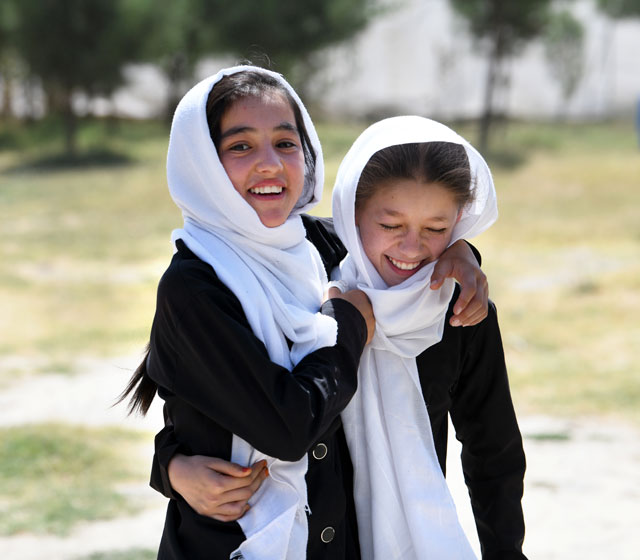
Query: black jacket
216,379
463,376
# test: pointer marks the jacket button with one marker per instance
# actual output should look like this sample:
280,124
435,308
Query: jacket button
327,534
319,451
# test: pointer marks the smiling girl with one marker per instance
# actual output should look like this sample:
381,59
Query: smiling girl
250,362
406,190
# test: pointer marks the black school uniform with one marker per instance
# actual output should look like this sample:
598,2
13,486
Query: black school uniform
217,380
464,375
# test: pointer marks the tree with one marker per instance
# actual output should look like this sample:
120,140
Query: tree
282,34
289,32
620,9
8,59
564,42
75,46
177,35
500,27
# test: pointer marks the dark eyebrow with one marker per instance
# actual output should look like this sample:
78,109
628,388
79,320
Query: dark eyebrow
394,214
241,129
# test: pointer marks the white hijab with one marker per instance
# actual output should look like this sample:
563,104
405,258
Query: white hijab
278,277
404,507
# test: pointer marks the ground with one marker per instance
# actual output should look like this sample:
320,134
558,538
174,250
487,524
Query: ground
582,488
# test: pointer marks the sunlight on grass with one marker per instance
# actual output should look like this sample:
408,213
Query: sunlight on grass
82,251
132,554
53,475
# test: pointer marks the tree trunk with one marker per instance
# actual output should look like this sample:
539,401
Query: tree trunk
486,118
176,72
69,123
7,87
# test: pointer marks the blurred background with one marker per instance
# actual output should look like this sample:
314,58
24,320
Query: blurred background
548,90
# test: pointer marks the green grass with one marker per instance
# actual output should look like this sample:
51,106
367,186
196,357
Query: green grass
54,475
82,248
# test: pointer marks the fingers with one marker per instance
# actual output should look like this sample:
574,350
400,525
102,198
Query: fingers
230,469
471,307
232,512
221,485
232,505
244,494
442,270
361,301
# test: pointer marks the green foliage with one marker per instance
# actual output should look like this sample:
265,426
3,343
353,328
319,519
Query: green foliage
53,475
503,22
75,44
288,31
8,22
620,9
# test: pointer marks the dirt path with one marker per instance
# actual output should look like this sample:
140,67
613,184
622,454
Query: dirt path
582,494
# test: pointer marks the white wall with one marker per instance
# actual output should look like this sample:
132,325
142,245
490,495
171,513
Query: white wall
419,58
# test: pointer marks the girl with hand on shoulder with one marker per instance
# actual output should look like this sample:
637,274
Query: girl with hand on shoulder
406,190
252,365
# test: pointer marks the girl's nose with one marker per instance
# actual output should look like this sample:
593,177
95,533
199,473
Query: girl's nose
411,245
268,160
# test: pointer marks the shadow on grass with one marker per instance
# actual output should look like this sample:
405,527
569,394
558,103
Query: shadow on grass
66,162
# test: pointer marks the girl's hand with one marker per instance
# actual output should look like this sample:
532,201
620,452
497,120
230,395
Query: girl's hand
459,262
361,301
214,487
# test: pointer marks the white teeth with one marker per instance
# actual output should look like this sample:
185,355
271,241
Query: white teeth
270,189
404,265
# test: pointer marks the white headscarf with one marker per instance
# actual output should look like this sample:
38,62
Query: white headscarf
404,507
278,277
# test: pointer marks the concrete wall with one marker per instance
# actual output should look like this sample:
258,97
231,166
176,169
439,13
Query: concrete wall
419,58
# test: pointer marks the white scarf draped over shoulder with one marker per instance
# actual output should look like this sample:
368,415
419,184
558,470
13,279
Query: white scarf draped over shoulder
278,277
403,504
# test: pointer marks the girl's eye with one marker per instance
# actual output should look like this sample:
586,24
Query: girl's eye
239,147
437,231
284,144
388,227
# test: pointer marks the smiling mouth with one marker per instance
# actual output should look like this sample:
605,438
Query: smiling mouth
404,266
267,189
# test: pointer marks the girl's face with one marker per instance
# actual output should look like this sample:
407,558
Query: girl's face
405,225
261,152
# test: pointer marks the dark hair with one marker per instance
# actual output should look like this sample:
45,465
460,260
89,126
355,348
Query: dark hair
248,83
444,163
142,386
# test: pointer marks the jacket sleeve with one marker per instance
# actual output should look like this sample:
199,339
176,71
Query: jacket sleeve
493,460
205,354
322,233
166,446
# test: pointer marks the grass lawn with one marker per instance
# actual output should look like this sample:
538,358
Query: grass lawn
83,247
54,475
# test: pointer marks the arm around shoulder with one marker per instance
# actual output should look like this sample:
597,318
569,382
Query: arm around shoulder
204,352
